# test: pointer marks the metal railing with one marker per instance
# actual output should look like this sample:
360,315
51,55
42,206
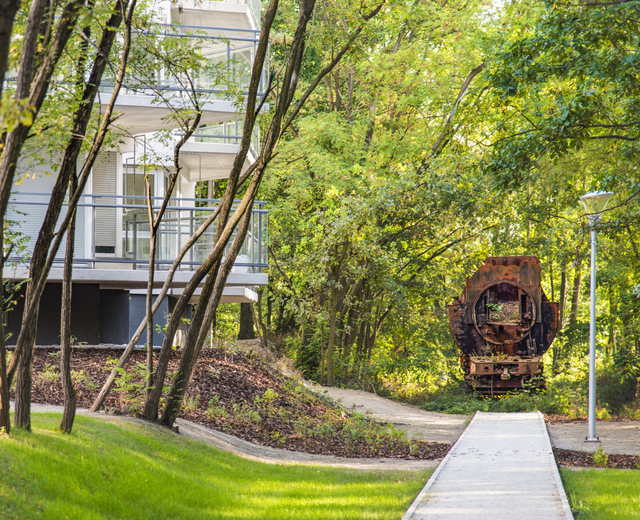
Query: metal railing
229,132
234,47
114,229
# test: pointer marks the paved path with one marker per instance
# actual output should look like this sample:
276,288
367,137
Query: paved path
421,425
501,468
618,438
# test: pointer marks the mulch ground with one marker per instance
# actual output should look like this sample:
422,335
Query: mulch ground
235,394
565,419
585,460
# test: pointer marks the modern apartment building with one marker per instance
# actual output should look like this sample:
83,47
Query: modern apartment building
112,223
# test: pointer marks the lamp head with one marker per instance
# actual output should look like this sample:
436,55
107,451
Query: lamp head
595,202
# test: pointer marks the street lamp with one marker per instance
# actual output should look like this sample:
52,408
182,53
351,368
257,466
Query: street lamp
594,204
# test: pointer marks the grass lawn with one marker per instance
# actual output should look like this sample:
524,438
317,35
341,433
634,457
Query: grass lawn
130,471
603,493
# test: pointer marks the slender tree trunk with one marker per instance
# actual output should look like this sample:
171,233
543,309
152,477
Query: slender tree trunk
43,252
333,304
9,8
553,292
106,388
5,421
209,268
281,120
322,354
557,351
349,334
269,308
563,297
575,296
200,323
149,299
613,312
70,396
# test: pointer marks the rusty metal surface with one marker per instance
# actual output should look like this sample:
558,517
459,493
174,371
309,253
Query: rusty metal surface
503,323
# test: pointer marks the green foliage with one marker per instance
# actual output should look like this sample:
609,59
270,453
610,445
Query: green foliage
50,374
227,323
216,410
600,458
79,378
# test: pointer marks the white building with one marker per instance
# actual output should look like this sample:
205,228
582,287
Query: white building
112,225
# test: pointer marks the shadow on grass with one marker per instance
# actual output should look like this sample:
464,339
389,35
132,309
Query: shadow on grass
134,471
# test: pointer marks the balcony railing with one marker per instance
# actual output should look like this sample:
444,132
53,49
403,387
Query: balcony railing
112,231
254,7
225,133
236,48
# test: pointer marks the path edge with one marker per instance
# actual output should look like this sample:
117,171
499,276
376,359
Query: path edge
414,505
556,473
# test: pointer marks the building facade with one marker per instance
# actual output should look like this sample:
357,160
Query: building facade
112,223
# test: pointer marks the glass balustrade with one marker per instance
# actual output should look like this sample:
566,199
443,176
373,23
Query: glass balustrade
114,232
228,57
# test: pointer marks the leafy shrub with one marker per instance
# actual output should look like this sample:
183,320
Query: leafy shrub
216,410
600,458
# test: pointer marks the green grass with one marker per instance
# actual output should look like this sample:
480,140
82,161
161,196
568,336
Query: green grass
130,471
603,494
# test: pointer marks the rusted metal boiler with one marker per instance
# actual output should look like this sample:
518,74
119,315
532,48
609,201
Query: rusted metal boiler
503,324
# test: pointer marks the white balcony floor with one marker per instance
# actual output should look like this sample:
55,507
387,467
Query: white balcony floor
140,115
211,161
134,279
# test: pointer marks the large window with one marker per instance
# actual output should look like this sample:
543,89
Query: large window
136,185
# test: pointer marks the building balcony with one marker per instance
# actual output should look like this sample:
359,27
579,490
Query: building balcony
113,237
229,54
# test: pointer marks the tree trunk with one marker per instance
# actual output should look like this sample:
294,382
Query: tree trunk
200,323
246,322
9,8
39,265
613,312
70,396
209,268
553,292
322,354
563,297
281,120
557,351
333,303
348,336
5,421
575,296
153,232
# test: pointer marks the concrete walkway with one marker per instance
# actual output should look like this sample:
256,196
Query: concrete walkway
501,468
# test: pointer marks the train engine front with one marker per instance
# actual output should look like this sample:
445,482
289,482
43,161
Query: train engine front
503,324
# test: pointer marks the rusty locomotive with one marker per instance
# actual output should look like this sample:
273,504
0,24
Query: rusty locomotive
503,324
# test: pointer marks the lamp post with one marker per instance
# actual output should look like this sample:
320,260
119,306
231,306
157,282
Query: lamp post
594,204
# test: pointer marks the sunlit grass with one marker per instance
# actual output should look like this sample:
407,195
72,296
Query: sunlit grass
131,471
603,494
